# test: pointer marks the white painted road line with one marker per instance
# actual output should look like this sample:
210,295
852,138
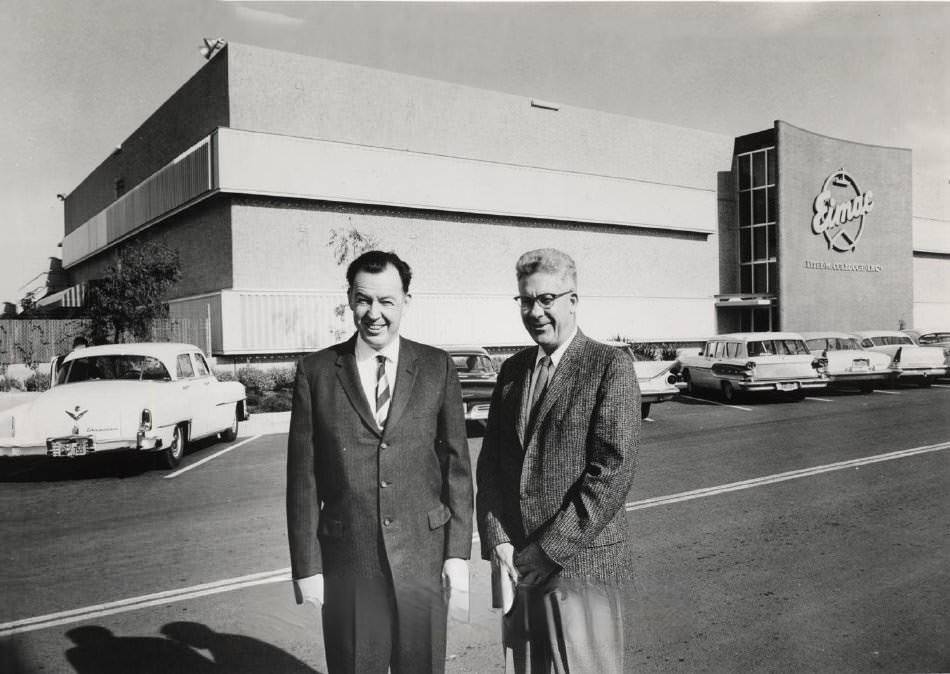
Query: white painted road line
283,575
890,393
782,477
821,400
715,402
132,603
941,385
208,458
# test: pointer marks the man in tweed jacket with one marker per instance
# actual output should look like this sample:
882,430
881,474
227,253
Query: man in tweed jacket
556,464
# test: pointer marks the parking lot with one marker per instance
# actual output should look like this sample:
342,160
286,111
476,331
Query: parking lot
768,536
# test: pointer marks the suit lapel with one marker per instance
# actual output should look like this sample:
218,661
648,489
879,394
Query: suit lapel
525,402
564,375
405,377
350,381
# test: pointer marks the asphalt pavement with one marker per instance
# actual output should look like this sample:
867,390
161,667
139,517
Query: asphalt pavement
768,536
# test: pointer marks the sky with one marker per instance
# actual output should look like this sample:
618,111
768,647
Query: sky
79,76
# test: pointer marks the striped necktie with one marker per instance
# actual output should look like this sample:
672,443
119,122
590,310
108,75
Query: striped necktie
541,382
382,392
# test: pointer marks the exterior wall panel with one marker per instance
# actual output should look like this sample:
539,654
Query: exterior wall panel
869,286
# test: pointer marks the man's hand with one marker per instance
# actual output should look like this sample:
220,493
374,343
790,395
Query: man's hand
504,554
310,589
455,574
534,567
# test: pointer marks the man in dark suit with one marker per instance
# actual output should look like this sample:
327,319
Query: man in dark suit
379,487
555,467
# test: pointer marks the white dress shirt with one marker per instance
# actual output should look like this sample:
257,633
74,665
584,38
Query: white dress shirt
367,365
555,359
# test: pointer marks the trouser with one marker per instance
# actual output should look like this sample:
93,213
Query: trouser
566,626
369,627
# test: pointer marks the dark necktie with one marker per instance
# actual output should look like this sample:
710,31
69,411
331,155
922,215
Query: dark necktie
382,392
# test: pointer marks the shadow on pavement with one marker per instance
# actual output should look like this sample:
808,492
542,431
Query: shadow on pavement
182,651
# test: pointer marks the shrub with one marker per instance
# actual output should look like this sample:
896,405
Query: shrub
11,384
37,382
224,375
284,378
278,401
644,351
254,379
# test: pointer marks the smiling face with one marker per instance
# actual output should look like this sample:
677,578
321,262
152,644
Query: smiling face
550,327
377,302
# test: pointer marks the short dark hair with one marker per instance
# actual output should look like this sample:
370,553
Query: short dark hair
80,341
375,261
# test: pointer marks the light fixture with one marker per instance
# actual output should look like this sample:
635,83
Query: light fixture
212,45
61,197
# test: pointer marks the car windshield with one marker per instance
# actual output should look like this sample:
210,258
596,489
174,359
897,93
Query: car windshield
834,344
473,363
888,340
935,338
124,367
777,347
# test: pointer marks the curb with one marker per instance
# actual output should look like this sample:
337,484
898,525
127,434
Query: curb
266,423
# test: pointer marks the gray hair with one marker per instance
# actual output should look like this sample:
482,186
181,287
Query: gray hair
548,261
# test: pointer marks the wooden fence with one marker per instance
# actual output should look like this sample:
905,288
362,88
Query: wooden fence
34,341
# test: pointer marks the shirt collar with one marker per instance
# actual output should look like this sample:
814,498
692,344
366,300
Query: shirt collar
365,352
558,352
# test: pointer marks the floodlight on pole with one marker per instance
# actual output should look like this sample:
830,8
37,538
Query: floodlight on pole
212,45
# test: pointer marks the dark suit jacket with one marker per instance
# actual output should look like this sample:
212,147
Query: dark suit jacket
361,500
561,478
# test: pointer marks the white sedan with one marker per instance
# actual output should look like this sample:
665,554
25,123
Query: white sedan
847,362
917,364
657,379
152,397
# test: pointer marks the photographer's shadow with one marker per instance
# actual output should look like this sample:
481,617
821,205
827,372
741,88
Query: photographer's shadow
99,651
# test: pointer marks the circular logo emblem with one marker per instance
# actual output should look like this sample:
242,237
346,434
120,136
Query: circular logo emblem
840,209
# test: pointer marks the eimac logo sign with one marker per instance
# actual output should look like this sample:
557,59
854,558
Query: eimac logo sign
840,208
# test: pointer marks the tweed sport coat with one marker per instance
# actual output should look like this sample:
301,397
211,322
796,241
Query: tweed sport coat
361,499
561,477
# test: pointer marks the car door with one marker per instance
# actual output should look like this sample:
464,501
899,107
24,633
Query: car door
218,414
193,393
703,375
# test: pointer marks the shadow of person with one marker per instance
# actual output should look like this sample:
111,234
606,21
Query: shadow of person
236,653
98,651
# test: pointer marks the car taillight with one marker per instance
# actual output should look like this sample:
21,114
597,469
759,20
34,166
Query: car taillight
671,378
146,424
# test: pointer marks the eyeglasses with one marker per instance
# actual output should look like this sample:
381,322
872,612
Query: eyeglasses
546,300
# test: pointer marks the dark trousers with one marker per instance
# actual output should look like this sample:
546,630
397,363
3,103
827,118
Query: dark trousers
565,625
368,627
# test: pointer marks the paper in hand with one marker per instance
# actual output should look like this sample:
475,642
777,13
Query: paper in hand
502,588
459,599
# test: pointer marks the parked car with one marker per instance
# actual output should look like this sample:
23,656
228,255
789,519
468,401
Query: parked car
916,364
847,363
150,397
753,362
940,338
658,379
477,376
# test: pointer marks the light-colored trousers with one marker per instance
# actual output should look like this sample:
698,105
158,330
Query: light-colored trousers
567,626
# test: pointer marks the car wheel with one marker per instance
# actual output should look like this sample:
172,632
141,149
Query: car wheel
644,410
230,434
925,382
690,387
728,391
171,457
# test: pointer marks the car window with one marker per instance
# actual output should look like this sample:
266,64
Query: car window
472,363
934,338
867,343
201,365
759,349
709,349
184,367
124,367
820,343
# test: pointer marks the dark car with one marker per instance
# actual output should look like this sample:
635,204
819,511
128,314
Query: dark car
477,375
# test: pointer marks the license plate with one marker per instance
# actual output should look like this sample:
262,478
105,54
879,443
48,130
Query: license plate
787,386
69,447
861,364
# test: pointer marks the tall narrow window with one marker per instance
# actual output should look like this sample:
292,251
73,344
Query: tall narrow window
756,203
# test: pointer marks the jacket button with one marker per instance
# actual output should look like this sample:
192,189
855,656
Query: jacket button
384,483
383,445
387,522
